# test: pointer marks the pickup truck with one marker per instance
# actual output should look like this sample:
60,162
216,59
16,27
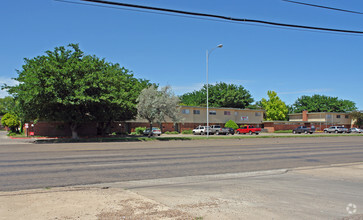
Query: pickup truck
303,129
336,129
201,130
248,129
217,129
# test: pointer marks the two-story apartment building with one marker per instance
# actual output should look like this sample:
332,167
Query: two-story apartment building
194,116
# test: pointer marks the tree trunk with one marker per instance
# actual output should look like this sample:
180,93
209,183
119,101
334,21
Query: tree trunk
161,127
21,126
74,127
103,126
151,129
108,127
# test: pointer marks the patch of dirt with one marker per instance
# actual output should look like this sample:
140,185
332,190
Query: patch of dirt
143,209
83,203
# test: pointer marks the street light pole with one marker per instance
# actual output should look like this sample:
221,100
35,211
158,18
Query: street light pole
207,56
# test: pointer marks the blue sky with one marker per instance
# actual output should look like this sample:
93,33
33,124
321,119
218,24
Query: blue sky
171,50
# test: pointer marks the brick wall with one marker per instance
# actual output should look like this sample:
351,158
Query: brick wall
305,115
61,129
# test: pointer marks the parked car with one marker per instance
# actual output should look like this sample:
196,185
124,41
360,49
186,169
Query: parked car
248,129
303,129
231,131
336,129
155,131
217,129
202,130
355,130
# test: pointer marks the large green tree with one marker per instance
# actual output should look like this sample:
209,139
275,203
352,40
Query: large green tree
322,103
66,85
275,108
6,105
357,117
220,95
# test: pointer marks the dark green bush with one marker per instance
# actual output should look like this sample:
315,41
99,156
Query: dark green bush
140,130
134,133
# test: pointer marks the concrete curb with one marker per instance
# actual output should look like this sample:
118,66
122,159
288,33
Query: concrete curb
326,166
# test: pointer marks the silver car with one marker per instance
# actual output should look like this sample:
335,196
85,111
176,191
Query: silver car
155,131
355,130
336,129
202,130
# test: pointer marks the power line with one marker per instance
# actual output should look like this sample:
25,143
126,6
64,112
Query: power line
325,7
202,18
218,17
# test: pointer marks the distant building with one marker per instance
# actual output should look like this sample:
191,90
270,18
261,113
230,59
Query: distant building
320,120
323,118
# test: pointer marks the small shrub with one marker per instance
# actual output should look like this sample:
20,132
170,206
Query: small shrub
10,121
231,124
16,133
171,132
140,130
134,133
187,132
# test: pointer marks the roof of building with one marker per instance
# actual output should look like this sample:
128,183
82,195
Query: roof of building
246,109
320,113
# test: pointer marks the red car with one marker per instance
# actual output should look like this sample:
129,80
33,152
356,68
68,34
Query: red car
248,129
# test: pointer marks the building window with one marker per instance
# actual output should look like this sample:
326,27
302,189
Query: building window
185,111
235,113
347,116
338,116
212,112
257,114
196,112
328,116
227,113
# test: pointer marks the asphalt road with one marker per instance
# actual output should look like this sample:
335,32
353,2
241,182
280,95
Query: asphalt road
27,166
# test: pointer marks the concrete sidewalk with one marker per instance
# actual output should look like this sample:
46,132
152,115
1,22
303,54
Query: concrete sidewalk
5,140
329,192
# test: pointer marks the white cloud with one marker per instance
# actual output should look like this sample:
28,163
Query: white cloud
7,81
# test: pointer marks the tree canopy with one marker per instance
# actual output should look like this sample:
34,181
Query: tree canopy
275,108
154,105
220,95
322,103
66,85
358,118
6,105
